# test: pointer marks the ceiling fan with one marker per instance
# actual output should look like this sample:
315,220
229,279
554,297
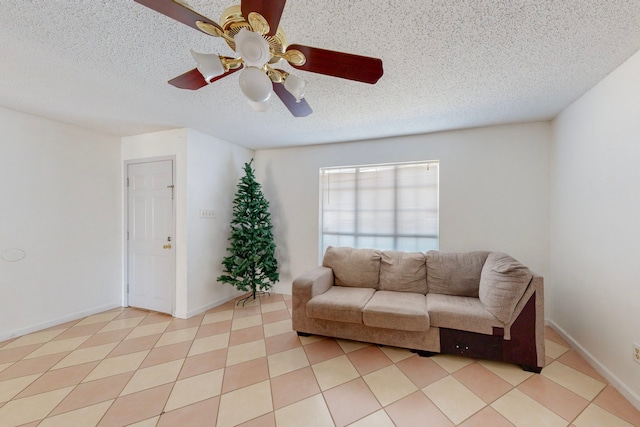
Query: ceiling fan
252,31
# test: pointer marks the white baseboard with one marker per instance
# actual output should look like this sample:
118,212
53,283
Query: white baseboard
616,382
211,305
58,321
275,289
282,288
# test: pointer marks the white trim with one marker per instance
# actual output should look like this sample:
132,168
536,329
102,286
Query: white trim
616,382
125,225
213,304
283,288
59,321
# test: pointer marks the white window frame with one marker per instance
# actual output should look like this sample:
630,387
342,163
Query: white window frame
356,212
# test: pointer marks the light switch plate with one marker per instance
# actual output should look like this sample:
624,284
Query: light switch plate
207,213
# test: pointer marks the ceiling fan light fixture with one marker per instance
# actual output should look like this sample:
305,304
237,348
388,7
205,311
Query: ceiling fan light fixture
255,84
295,86
252,47
252,30
209,65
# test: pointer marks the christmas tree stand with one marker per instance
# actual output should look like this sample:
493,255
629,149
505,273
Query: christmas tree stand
252,296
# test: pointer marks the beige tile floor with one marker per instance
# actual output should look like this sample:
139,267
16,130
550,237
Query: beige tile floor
245,366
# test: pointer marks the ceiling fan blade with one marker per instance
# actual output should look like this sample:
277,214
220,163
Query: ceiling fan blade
271,10
193,80
298,109
179,12
338,64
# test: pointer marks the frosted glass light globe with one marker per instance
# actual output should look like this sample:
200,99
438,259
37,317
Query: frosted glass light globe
209,65
255,84
296,86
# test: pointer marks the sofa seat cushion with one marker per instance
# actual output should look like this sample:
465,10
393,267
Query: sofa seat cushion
453,273
339,303
353,267
462,313
502,283
403,271
405,311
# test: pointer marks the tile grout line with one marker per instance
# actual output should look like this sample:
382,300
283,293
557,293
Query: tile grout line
81,381
51,368
235,309
162,412
266,356
116,398
592,402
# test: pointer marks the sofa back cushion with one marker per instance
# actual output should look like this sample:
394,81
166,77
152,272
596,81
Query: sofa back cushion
353,267
502,283
455,274
403,271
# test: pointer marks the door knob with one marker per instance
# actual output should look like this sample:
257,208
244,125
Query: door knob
166,247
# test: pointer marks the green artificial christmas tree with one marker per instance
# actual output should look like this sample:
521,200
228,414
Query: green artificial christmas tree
252,264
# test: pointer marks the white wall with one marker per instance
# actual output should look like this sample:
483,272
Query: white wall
207,172
214,168
60,198
595,228
494,191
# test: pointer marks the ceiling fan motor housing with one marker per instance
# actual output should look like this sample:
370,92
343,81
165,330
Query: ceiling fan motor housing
252,48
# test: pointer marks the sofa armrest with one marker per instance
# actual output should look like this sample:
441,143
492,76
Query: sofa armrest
535,285
313,282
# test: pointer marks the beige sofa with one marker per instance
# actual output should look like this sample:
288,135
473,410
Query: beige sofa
483,305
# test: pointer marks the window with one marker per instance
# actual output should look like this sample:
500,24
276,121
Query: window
387,207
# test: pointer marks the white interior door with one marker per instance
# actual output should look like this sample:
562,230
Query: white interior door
151,252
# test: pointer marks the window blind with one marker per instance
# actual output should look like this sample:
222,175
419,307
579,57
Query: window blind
387,207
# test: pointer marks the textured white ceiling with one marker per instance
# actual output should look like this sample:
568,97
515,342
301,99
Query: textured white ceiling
448,64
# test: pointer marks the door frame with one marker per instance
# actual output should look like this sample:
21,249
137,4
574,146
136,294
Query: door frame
125,226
